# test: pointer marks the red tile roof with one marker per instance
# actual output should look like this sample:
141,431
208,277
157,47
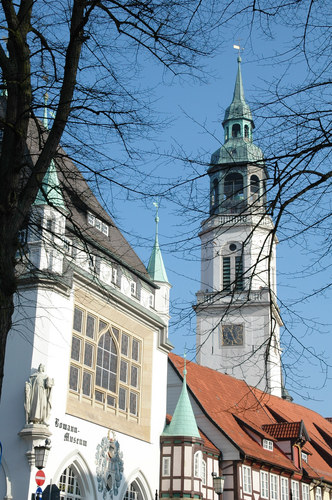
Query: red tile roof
285,430
233,405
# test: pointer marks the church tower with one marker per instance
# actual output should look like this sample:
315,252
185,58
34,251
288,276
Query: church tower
238,319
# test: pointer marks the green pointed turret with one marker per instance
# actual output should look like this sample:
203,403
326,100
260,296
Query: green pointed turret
238,127
156,268
50,193
183,422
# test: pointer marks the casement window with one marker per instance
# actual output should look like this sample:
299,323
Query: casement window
246,475
133,288
274,487
318,493
264,484
231,335
267,444
198,464
295,489
203,472
166,466
114,275
151,301
98,224
284,488
304,456
105,363
305,491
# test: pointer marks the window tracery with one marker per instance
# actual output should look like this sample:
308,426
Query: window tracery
105,364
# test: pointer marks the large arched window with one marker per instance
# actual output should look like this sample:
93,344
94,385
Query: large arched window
233,186
105,366
68,485
107,363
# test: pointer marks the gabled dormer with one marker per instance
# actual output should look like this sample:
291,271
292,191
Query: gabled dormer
291,437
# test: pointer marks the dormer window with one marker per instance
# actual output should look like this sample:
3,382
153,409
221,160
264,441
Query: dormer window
268,444
98,224
304,456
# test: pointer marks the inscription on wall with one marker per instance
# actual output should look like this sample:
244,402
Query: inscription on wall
68,436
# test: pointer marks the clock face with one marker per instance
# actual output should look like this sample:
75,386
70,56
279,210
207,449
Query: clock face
232,335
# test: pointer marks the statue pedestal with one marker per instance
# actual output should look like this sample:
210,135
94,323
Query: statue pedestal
34,435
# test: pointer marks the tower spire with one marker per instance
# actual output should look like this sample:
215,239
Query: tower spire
156,268
183,422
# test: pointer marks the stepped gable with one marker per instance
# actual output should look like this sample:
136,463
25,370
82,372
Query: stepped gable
79,200
237,409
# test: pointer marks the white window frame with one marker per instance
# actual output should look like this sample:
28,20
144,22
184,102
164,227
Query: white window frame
305,491
133,288
284,488
304,456
91,219
264,484
295,489
198,464
246,476
274,487
114,275
268,444
203,471
318,493
166,468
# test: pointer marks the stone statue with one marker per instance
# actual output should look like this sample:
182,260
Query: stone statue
38,392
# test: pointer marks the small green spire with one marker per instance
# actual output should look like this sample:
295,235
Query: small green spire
50,194
156,268
183,422
238,108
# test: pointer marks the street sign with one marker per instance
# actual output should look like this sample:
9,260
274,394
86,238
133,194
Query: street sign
40,477
39,493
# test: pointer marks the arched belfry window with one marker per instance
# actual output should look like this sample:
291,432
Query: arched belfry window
227,134
254,184
214,196
246,131
233,186
236,130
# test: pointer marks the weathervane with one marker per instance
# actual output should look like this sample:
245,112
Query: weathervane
238,47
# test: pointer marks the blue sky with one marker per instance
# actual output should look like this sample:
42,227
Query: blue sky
196,110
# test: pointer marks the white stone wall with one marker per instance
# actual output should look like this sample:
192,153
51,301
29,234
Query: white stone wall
42,333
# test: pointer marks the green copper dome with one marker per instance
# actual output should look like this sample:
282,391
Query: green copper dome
183,422
50,194
238,127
